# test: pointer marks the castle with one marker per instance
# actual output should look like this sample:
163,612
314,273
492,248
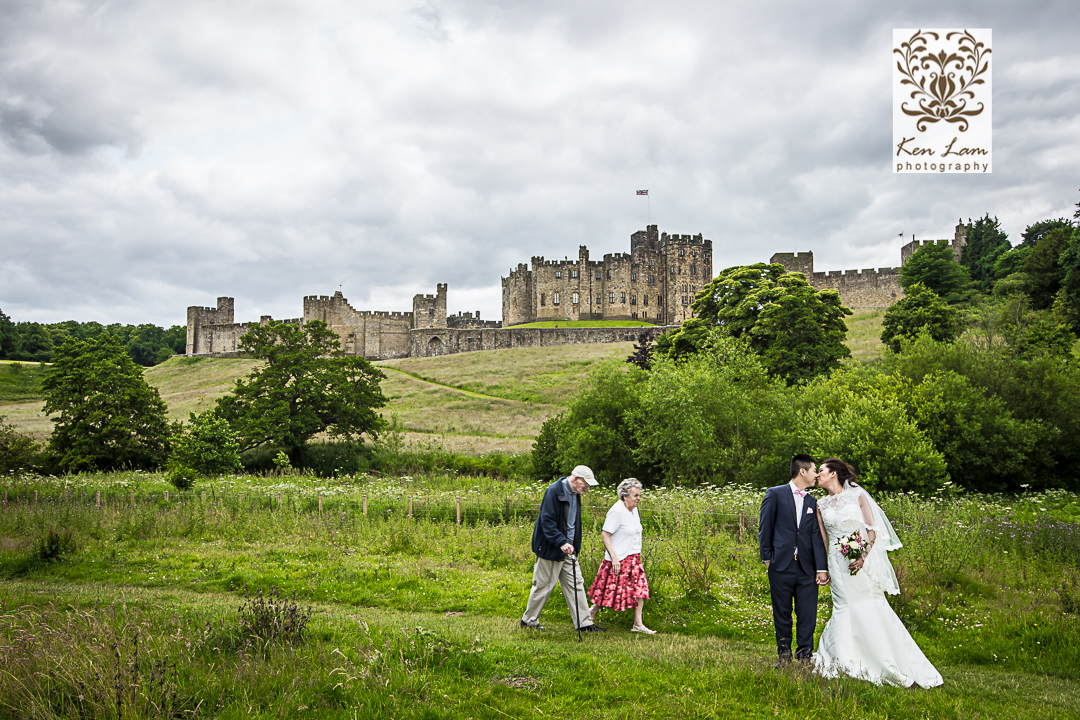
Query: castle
868,288
656,281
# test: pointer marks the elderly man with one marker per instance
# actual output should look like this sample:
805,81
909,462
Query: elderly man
556,542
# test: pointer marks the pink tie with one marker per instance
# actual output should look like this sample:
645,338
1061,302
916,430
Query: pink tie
800,493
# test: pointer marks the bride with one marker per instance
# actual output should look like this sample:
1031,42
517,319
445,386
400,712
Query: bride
864,638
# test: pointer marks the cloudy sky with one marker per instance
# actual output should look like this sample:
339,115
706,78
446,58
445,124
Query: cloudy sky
158,154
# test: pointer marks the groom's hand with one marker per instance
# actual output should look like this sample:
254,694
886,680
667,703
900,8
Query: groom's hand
822,578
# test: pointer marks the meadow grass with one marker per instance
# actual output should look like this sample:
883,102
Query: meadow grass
417,617
864,335
20,381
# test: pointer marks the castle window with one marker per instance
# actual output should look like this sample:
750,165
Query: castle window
598,276
611,298
659,301
622,298
672,269
645,300
633,299
431,312
684,300
682,252
693,269
575,298
684,287
608,274
633,276
555,298
652,278
558,273
573,273
542,303
599,301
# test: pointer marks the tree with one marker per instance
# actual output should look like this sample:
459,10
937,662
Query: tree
176,339
307,386
206,444
919,311
684,341
985,242
1035,232
935,266
1011,262
1043,266
147,345
643,352
1067,303
18,452
797,330
109,417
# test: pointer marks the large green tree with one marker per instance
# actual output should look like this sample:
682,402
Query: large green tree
305,387
985,242
109,417
1037,231
919,311
797,330
1044,269
935,266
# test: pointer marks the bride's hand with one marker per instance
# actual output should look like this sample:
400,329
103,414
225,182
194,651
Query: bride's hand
855,566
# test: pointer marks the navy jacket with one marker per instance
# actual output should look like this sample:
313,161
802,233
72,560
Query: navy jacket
779,534
550,532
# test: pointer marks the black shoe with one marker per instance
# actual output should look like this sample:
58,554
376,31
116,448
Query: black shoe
783,661
592,628
527,626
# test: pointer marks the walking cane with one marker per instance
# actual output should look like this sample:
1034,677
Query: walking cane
577,608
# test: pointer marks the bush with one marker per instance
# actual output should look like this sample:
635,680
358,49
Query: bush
19,453
181,476
717,417
206,445
545,450
54,546
921,311
269,618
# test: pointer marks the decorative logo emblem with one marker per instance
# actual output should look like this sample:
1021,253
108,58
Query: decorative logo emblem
942,88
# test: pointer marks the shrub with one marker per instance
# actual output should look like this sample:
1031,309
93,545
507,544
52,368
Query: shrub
921,311
269,618
206,445
181,476
545,450
54,546
18,452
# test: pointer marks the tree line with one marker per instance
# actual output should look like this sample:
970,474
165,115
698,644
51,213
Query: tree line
146,344
978,389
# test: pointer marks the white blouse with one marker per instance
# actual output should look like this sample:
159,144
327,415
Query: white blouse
625,529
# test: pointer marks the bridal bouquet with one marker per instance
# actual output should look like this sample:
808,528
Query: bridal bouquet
853,547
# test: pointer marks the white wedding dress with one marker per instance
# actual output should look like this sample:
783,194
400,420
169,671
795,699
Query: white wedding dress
864,638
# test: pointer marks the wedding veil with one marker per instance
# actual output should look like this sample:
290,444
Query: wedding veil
877,566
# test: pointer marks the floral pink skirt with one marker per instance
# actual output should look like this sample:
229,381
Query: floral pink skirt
620,592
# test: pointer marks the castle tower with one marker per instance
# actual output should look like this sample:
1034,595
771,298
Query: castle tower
429,311
687,269
197,317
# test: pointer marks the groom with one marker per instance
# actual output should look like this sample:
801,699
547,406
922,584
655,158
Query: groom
794,556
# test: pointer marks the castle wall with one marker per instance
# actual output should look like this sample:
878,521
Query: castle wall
202,316
449,341
429,311
375,335
862,289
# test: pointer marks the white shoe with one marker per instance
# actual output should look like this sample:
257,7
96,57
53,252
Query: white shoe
642,629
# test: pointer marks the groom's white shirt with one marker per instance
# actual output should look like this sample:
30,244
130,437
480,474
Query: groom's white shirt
795,492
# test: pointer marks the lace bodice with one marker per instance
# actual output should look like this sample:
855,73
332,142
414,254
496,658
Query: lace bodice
841,514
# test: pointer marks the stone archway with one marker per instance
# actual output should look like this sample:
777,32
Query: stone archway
436,346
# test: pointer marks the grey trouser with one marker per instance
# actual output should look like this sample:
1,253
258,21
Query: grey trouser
546,573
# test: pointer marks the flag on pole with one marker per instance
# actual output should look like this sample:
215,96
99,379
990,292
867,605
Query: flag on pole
642,192
900,235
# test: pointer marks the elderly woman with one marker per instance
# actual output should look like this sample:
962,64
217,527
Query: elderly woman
620,583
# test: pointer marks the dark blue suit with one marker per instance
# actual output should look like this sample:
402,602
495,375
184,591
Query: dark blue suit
782,535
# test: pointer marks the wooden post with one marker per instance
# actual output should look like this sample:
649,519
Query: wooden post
365,506
166,496
279,501
132,498
320,503
410,506
740,526
35,497
98,498
5,496
458,511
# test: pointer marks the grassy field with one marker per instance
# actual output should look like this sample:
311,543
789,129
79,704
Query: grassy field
145,610
473,403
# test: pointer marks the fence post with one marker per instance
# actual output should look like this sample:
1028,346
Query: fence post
132,498
98,498
365,505
458,511
5,496
320,503
166,496
410,506
35,497
740,526
279,501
